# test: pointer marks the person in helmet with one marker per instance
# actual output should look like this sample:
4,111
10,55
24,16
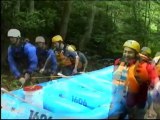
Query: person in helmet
156,61
136,76
82,59
155,93
43,54
145,54
22,57
156,58
67,60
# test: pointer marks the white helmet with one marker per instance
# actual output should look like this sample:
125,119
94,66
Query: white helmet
40,39
14,33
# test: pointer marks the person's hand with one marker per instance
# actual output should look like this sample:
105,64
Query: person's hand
157,86
52,76
82,72
27,76
22,80
117,75
74,71
41,70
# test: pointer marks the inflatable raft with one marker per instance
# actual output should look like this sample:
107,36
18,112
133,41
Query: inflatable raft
83,96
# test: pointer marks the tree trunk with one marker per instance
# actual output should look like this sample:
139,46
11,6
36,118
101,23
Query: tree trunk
134,9
65,18
146,13
149,19
88,32
31,6
17,7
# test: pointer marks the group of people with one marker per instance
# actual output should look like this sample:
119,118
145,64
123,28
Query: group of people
142,72
26,59
141,84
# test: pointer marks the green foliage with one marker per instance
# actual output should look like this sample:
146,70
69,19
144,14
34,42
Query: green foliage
114,23
9,83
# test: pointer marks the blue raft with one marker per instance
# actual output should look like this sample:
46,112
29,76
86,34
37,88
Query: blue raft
83,96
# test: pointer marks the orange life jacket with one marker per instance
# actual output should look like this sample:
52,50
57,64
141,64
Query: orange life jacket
141,71
79,63
66,61
137,74
158,69
131,82
63,60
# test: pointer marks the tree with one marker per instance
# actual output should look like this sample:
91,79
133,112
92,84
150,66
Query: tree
17,6
86,37
31,6
65,18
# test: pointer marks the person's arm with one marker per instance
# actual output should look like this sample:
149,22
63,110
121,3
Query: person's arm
116,63
76,64
12,64
84,60
153,75
32,58
85,65
53,60
76,61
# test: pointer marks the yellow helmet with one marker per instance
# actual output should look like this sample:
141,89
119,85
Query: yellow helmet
146,50
57,38
157,54
71,48
132,44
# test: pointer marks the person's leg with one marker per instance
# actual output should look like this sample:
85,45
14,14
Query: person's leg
140,111
156,108
67,70
118,108
131,112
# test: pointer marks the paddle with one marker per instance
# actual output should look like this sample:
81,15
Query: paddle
45,77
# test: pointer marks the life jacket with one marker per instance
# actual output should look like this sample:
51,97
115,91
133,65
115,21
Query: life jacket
131,82
137,75
80,65
158,69
63,60
141,72
120,74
